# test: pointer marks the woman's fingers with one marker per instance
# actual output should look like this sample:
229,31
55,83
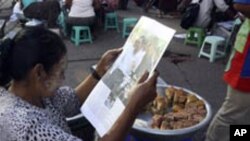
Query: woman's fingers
143,77
153,79
113,53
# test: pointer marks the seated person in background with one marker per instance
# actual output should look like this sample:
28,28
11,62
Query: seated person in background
204,18
230,14
166,6
42,10
34,105
163,6
81,13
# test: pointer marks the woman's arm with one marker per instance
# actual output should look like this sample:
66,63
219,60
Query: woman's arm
143,93
85,87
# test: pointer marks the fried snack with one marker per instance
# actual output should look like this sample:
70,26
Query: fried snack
160,105
177,109
180,97
191,98
156,121
169,92
165,125
200,103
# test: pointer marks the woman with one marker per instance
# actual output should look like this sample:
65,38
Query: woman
82,13
34,106
42,10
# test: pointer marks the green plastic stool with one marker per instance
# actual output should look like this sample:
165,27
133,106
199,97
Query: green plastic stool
213,53
81,34
111,21
195,35
128,24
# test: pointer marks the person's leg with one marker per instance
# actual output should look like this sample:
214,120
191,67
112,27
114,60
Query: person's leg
235,110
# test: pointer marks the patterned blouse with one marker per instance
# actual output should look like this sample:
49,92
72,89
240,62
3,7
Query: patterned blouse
21,121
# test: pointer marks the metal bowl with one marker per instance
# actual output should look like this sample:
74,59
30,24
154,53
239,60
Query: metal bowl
142,130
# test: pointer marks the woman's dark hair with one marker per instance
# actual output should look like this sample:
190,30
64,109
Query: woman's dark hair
30,46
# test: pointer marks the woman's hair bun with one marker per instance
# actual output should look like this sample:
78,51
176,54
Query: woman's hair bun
5,49
5,46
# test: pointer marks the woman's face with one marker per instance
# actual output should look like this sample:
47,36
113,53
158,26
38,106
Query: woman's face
56,76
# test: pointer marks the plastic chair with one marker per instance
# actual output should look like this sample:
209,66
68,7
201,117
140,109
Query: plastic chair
195,35
111,21
81,34
213,52
128,24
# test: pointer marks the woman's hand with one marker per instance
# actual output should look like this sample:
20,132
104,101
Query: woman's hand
85,87
107,60
144,91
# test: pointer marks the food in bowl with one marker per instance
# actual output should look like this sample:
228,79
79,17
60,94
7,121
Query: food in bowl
176,109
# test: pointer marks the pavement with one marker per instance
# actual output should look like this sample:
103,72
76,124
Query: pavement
179,65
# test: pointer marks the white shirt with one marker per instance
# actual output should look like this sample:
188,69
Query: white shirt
82,8
206,7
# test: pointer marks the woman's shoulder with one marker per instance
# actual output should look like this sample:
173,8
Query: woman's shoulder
16,118
13,108
6,100
64,91
62,95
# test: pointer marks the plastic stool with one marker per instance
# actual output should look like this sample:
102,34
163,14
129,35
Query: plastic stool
195,35
81,34
128,23
111,21
213,54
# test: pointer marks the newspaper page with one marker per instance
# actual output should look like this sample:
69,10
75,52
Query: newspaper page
141,52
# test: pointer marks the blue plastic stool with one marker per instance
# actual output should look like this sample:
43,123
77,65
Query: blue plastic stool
81,34
213,52
128,24
111,21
